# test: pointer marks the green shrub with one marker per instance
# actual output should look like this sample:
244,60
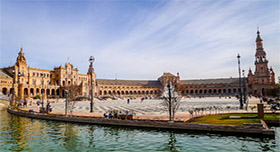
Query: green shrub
37,97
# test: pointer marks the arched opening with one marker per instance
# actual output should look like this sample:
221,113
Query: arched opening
118,92
147,92
229,90
63,83
234,90
48,92
122,92
191,92
139,92
105,92
32,92
210,91
215,91
109,92
219,91
135,92
53,92
4,91
114,92
143,92
187,91
200,91
37,91
224,90
42,91
126,92
25,92
131,92
205,91
151,92
100,92
195,91
57,92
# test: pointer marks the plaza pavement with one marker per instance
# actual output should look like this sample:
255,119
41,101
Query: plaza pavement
150,109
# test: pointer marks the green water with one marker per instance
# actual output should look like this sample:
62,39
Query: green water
24,134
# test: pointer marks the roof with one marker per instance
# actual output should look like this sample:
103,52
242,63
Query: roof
4,74
127,82
211,81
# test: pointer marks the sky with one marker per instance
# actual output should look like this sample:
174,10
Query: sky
141,39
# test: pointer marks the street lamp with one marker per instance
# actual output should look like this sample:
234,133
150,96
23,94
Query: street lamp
245,90
13,93
42,93
240,97
91,60
66,102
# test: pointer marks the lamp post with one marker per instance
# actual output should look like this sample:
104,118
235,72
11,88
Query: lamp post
13,93
66,101
42,81
91,60
244,90
169,101
240,97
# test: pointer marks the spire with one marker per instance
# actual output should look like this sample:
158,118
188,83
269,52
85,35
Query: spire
258,37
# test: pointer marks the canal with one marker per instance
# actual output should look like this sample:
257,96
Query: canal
24,134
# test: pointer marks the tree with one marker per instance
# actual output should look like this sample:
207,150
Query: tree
73,91
171,99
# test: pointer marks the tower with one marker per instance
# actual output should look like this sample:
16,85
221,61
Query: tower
263,77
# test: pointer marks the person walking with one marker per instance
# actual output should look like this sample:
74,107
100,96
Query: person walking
128,101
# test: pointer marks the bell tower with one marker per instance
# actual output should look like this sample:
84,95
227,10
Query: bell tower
263,77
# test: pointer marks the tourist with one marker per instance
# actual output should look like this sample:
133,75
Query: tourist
128,101
261,99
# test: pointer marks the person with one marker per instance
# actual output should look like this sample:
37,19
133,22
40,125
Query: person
128,101
142,99
261,100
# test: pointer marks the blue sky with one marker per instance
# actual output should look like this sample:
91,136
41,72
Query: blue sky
138,39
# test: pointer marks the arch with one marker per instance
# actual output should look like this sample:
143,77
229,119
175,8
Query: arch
43,91
48,92
224,90
118,92
57,92
122,92
109,92
105,92
100,92
139,92
196,91
220,91
37,91
234,90
151,92
32,91
191,92
25,92
147,92
229,90
114,92
214,91
205,91
126,92
131,92
156,92
200,91
187,91
134,92
63,83
5,91
210,91
53,92
143,92
183,91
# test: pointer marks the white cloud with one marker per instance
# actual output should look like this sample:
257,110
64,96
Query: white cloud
199,39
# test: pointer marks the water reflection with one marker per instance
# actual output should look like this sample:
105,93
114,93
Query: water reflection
24,134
